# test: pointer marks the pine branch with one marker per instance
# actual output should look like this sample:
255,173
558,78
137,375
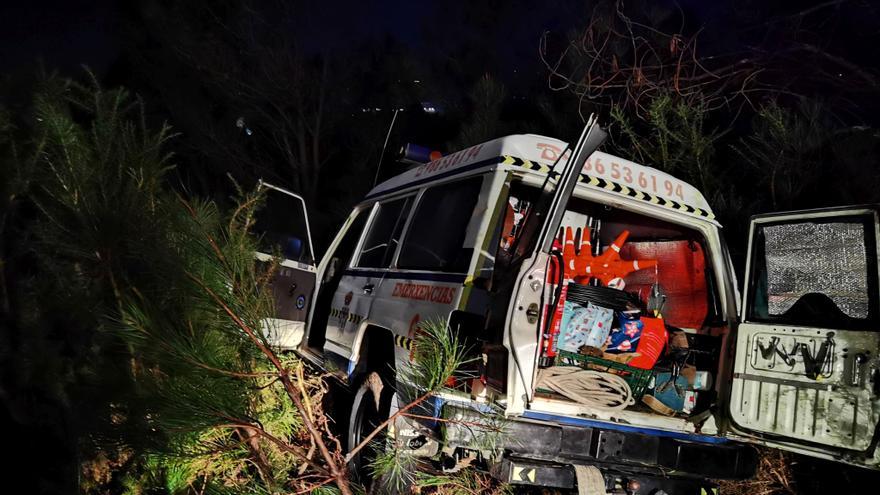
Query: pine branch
285,446
338,474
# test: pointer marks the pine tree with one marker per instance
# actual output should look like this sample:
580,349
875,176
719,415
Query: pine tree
166,379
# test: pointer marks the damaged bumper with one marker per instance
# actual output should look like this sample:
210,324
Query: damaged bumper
544,450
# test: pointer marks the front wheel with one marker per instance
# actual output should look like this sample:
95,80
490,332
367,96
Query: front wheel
366,415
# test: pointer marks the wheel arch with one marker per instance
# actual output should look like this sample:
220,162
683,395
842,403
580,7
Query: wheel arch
374,352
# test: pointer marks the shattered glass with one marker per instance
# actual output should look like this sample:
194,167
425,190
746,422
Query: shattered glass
826,258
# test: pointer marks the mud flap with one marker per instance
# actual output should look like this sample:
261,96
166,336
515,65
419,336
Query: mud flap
589,480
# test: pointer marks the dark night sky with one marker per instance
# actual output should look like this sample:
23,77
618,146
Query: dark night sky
63,34
67,34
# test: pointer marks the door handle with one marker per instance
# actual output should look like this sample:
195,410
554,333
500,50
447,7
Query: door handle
368,289
858,361
877,382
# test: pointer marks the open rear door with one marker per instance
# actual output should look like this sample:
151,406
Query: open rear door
807,372
532,251
283,227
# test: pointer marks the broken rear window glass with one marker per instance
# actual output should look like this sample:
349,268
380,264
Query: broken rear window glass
814,273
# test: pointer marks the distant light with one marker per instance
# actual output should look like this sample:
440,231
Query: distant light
429,107
378,109
417,81
240,123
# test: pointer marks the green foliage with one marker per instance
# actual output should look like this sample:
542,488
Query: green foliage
88,225
786,150
675,137
14,168
438,354
98,181
483,123
162,303
396,468
735,124
201,372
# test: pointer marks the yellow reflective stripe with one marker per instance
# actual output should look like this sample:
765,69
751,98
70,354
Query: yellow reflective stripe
613,187
404,342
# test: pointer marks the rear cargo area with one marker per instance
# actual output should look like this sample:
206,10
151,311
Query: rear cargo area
632,325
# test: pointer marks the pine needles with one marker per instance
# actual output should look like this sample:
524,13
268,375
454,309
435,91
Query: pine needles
166,303
170,299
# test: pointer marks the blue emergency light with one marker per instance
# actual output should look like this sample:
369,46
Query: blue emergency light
418,154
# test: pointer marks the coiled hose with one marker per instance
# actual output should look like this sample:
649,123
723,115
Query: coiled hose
594,389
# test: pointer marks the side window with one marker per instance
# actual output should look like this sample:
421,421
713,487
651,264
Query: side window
281,224
436,236
384,234
815,273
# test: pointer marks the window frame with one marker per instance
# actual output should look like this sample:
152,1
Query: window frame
357,210
483,182
273,193
758,262
374,213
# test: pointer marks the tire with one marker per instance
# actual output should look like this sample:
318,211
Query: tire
337,404
365,417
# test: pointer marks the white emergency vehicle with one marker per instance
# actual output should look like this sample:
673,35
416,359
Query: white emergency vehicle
476,238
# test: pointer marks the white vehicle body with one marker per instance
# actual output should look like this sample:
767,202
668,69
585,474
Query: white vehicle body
388,285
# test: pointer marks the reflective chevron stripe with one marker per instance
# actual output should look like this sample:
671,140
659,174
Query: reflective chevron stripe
351,317
405,342
530,165
608,185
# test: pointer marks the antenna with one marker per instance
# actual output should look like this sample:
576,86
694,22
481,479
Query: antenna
382,155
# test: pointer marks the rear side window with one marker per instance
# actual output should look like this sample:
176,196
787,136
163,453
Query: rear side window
384,234
436,236
815,273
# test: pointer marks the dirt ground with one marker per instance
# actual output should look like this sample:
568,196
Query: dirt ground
787,474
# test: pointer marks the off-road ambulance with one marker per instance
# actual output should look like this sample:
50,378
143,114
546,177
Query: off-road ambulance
600,301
